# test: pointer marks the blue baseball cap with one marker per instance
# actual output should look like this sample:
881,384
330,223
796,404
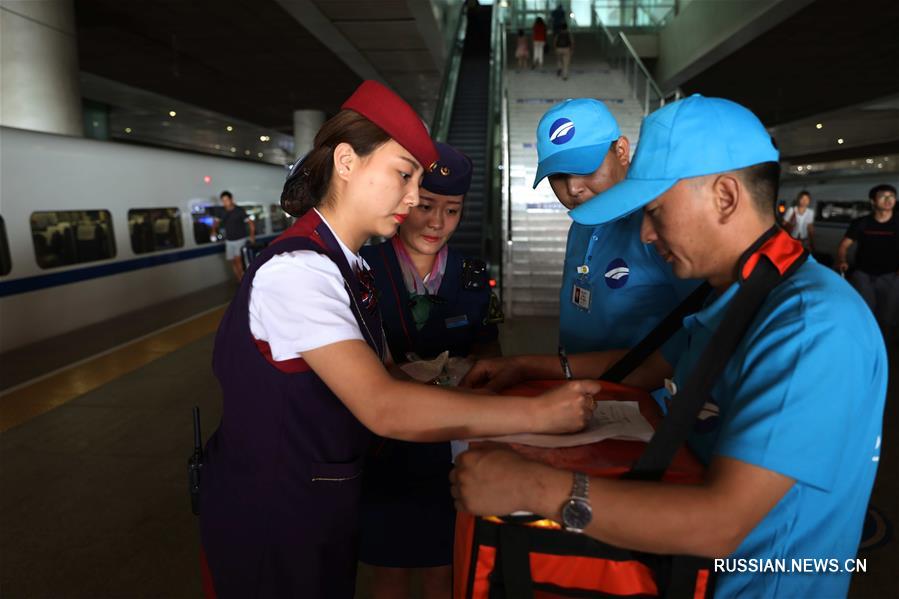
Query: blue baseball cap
573,138
692,137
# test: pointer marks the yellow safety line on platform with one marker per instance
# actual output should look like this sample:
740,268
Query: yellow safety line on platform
49,392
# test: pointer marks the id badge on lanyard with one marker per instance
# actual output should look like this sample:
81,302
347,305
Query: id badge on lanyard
582,289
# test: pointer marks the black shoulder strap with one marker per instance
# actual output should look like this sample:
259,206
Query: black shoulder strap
658,336
678,424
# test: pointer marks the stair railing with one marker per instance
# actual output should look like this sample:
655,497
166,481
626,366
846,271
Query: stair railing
617,49
440,124
497,144
505,248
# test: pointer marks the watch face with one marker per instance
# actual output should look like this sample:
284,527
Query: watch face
576,515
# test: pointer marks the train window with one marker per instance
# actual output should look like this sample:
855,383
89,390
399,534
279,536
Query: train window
72,237
155,229
256,214
5,259
280,219
203,218
841,212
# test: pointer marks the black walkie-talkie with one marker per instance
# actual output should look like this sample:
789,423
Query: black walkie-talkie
194,465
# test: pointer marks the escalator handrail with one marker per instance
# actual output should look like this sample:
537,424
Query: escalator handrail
440,124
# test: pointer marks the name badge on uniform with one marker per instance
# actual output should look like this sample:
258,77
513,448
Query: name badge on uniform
581,295
457,321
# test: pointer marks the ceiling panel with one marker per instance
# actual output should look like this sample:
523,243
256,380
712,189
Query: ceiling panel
369,10
250,60
828,55
382,35
403,61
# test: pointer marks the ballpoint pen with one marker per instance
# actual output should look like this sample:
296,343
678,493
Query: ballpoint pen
566,367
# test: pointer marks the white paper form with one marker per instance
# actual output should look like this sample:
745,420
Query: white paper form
611,420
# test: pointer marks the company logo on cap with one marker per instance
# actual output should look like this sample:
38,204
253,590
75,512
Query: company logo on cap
617,273
561,131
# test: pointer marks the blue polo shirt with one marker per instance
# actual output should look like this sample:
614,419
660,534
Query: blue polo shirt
803,396
631,288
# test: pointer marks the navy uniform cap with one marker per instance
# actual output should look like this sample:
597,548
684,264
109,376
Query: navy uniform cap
451,176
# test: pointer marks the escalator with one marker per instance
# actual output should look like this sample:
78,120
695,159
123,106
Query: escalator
468,129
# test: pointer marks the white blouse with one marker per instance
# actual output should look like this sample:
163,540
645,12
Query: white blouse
299,302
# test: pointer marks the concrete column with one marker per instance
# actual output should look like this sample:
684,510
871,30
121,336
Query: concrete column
306,124
39,66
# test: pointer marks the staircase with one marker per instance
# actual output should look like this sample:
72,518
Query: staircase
533,261
468,129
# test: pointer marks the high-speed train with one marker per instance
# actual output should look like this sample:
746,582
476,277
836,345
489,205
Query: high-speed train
837,201
90,230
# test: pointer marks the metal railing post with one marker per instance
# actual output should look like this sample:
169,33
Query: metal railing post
646,102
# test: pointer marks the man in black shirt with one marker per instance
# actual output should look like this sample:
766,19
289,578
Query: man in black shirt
876,274
234,220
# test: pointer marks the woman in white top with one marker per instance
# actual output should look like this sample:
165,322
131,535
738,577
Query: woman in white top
300,355
799,220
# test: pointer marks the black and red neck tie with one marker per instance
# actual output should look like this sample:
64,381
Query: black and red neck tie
367,294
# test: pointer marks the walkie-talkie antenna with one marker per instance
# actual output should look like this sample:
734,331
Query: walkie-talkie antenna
198,438
195,465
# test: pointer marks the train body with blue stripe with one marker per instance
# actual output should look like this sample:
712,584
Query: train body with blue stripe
90,230
837,200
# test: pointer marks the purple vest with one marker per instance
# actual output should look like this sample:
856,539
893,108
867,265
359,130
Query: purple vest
281,482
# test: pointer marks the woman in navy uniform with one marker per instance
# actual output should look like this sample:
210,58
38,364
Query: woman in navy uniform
432,300
301,360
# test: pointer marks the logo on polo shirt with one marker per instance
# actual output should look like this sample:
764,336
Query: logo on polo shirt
561,131
708,418
617,273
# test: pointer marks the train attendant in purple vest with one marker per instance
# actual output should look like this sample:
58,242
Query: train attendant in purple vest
300,356
431,300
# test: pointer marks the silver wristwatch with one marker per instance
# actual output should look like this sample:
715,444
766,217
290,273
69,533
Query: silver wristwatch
576,511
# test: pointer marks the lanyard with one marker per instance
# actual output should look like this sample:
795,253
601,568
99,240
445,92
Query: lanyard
584,269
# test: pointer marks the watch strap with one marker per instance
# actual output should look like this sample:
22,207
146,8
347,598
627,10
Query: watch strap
581,487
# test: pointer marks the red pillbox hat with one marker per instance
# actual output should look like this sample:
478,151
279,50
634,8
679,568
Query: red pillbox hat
391,113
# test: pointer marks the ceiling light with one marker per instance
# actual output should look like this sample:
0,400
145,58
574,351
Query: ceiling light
127,129
264,138
799,169
229,128
869,160
879,165
840,141
233,149
246,152
259,154
172,113
218,147
819,126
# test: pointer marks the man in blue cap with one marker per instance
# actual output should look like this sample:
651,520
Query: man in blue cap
791,451
615,288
